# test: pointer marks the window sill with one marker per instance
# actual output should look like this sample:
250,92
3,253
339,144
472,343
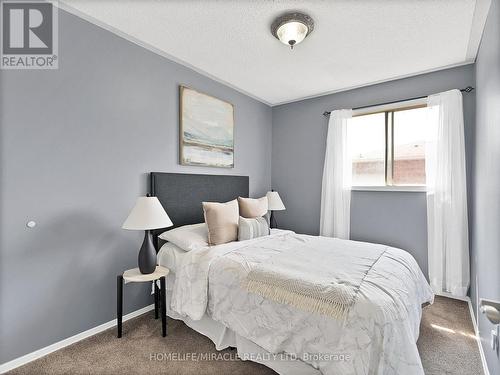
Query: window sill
409,189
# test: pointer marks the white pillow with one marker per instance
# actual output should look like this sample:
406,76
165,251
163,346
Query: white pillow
187,237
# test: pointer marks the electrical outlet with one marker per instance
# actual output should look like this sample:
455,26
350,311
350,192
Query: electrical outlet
494,339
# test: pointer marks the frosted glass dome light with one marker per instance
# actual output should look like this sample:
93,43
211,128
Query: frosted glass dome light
292,28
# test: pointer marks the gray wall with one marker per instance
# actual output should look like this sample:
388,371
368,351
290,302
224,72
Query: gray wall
299,135
394,218
76,145
486,179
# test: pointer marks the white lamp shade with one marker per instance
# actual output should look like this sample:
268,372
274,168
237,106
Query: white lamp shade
148,213
274,201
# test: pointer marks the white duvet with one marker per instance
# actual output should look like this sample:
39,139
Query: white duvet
378,335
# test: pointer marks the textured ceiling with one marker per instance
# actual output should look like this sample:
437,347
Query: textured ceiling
354,43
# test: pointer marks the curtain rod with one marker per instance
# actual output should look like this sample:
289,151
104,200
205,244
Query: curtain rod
327,113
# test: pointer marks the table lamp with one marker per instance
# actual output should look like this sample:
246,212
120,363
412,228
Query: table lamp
274,204
147,214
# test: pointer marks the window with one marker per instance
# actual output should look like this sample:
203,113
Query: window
388,148
366,136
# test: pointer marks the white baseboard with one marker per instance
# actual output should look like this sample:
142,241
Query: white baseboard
478,339
7,366
449,295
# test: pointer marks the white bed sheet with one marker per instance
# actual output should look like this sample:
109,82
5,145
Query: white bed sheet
170,256
224,337
209,281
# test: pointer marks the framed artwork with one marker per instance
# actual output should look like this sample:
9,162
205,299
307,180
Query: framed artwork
206,130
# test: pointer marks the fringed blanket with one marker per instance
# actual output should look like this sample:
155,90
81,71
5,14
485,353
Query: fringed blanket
315,274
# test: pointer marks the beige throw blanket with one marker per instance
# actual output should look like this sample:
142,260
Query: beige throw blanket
315,274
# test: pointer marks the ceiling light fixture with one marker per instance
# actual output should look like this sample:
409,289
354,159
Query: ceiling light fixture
292,28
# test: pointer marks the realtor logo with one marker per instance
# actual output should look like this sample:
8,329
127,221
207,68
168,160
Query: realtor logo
29,35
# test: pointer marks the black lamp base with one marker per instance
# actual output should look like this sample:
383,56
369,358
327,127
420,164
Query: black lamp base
272,221
147,255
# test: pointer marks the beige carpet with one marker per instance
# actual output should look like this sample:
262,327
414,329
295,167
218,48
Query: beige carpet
446,344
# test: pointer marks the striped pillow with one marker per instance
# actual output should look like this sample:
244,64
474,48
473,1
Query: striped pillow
252,228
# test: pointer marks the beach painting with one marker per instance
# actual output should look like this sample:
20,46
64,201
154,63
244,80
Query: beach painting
206,130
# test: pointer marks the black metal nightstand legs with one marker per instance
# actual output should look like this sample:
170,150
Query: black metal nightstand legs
160,298
157,299
119,303
163,304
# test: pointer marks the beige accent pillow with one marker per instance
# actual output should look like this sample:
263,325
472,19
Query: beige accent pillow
250,207
222,221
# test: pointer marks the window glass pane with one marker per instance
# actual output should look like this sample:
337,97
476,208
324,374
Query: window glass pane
366,135
409,147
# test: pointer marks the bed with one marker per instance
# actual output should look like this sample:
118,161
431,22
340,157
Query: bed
377,335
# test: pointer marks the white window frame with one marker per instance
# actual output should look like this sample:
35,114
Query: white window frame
399,106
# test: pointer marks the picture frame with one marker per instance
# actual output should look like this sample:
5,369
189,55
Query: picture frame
206,130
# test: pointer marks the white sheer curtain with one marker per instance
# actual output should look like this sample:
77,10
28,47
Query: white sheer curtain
337,174
448,239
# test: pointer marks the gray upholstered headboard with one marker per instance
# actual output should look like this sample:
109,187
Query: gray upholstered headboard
181,194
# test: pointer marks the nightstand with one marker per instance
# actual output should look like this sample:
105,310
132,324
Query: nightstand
160,296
